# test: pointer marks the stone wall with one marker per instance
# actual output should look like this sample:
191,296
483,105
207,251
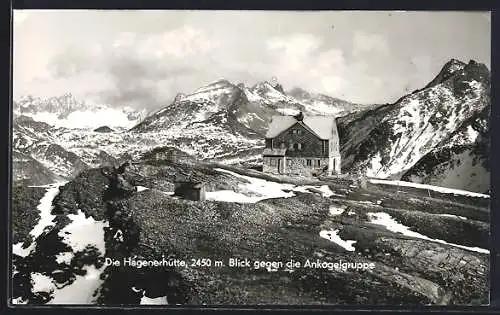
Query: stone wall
271,167
298,165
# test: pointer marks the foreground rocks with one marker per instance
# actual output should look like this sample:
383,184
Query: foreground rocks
152,225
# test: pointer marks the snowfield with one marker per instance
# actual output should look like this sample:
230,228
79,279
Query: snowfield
260,189
88,119
384,219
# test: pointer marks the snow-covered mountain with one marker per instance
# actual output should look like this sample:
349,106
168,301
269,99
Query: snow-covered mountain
66,111
220,120
437,135
226,119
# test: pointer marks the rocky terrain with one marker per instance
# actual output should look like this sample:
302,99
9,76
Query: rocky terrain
75,203
221,121
132,212
437,135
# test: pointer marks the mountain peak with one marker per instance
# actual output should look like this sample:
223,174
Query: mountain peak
449,69
267,86
453,65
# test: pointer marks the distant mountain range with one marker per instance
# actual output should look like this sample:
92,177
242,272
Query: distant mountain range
66,111
436,135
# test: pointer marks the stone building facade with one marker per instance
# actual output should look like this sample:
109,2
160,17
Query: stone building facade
302,145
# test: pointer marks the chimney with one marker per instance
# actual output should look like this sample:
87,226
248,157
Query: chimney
299,116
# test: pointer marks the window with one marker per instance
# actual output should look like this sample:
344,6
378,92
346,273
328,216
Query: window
308,162
269,143
283,145
291,146
318,162
297,146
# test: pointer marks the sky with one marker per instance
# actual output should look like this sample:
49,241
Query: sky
144,58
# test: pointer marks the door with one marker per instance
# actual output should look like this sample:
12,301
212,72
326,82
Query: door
279,166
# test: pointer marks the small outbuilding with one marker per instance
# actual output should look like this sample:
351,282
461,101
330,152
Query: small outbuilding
190,190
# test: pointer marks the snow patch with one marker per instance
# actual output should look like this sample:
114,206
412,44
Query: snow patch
19,301
64,258
453,216
430,187
42,283
260,189
141,188
231,196
82,232
45,207
384,219
335,211
161,300
82,290
19,250
334,237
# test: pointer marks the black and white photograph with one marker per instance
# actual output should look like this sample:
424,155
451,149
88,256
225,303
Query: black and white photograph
244,157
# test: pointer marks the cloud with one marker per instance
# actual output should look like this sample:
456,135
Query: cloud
177,43
306,61
369,43
147,70
137,70
301,59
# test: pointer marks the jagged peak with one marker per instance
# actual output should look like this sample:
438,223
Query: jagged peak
449,68
452,66
179,97
265,85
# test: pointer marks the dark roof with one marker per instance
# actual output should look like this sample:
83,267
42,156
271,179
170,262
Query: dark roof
274,152
324,127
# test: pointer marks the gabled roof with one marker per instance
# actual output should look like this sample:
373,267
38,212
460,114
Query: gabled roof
323,126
